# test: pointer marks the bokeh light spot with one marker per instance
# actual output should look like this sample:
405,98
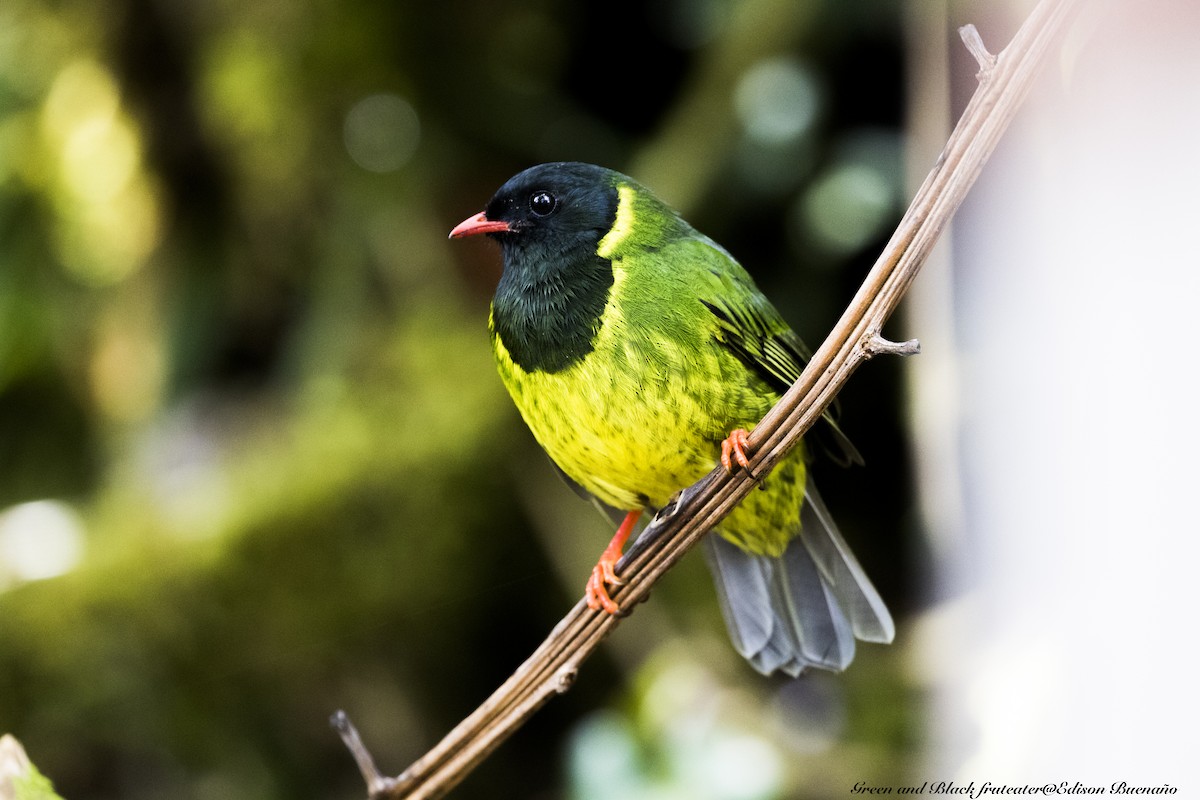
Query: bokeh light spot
127,369
381,132
99,157
846,207
39,539
82,92
742,766
777,100
108,216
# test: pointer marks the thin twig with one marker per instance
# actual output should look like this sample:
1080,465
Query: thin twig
1004,82
375,780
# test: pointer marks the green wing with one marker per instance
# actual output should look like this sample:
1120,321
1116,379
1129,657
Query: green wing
755,333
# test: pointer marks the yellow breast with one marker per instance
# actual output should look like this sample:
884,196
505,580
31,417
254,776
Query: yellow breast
629,434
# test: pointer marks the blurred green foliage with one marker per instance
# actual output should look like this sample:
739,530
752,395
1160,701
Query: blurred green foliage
255,464
19,778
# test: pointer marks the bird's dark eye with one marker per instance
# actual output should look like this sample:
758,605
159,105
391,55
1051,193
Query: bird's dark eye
542,204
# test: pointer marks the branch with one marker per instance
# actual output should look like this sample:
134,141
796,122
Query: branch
1004,82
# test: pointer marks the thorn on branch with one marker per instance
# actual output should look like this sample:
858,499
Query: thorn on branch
974,42
375,780
874,345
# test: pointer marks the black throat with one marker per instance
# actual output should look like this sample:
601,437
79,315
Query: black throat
547,312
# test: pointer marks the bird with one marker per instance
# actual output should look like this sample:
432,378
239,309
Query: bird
640,353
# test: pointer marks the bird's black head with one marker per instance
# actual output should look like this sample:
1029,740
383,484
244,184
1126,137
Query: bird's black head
549,212
549,221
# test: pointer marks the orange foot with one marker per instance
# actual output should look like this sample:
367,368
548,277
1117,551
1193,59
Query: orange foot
734,449
604,573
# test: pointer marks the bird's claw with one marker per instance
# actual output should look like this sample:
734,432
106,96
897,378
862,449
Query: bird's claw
597,596
604,574
733,449
608,572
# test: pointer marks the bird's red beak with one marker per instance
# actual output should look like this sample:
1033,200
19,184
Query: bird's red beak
478,224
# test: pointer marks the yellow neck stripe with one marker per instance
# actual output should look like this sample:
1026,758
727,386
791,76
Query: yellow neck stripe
623,224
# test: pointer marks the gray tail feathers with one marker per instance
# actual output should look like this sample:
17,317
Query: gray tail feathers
804,608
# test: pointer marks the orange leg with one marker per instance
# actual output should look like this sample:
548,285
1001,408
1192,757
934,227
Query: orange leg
734,449
605,570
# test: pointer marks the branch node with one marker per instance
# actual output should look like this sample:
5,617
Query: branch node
377,783
654,529
874,344
974,42
565,679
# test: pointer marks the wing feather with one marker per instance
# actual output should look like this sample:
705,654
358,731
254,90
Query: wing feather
750,328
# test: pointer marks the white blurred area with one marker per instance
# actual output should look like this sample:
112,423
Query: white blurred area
39,539
1063,448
